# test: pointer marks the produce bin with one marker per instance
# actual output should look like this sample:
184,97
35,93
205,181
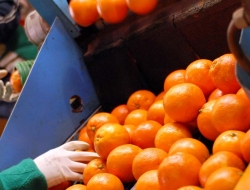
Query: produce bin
103,64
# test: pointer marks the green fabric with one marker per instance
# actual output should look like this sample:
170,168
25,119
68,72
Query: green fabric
23,176
20,44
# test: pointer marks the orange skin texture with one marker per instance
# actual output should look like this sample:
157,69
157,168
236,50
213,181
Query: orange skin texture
142,7
231,112
198,73
61,186
243,182
140,99
112,11
245,146
219,160
83,12
191,146
148,180
204,121
217,93
223,178
108,137
167,119
229,141
105,181
83,136
16,81
135,117
169,134
120,112
77,187
130,128
156,112
160,96
242,93
97,120
190,187
120,160
183,101
175,171
98,165
146,160
173,78
144,134
223,73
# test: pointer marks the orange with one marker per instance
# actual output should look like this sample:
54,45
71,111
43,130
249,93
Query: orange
61,186
223,178
160,96
219,160
120,160
156,112
217,93
223,73
198,73
130,128
231,112
179,170
95,166
77,187
16,81
144,134
97,120
147,159
148,180
167,119
190,187
245,146
108,137
140,99
204,121
120,112
191,146
112,11
183,101
105,181
173,78
243,94
229,141
243,182
135,117
142,7
83,136
169,133
83,12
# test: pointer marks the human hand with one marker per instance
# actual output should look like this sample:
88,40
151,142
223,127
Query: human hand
64,163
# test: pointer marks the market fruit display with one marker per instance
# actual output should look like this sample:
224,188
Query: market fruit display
186,137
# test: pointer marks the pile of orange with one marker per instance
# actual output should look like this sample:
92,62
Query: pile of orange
87,12
151,138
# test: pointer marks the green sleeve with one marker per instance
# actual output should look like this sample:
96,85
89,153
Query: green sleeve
24,175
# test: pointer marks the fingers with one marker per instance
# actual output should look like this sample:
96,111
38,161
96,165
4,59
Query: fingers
3,73
77,167
8,91
1,89
82,156
75,145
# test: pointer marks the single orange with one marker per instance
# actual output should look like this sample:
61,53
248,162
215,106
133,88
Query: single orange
173,78
229,141
120,112
243,94
61,186
217,93
160,96
223,178
204,121
135,117
16,81
83,136
223,73
140,99
142,7
231,112
120,160
191,146
148,180
97,120
77,187
198,73
95,166
156,112
146,160
178,170
219,160
108,137
190,187
245,146
130,128
183,101
144,134
169,133
105,181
